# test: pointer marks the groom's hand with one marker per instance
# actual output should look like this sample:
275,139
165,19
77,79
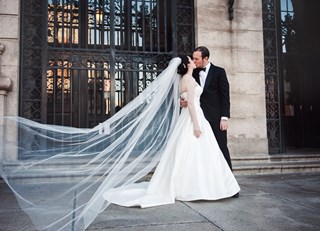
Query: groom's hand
183,102
224,125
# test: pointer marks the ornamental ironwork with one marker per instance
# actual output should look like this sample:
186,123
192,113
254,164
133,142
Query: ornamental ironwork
272,75
82,61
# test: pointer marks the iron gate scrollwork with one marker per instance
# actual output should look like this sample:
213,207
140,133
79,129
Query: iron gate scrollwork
272,75
81,61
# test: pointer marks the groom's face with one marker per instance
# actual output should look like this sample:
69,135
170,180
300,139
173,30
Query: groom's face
198,60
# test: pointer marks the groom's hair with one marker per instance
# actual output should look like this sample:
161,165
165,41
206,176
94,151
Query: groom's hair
183,67
204,51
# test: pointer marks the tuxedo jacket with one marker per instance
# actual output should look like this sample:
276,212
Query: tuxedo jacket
215,99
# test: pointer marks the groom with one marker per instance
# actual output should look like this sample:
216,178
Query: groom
215,99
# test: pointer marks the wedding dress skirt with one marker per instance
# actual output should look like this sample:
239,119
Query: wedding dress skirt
190,169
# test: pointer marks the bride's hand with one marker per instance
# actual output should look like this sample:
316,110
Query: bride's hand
183,102
197,133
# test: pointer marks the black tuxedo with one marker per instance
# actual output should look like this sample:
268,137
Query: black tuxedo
215,103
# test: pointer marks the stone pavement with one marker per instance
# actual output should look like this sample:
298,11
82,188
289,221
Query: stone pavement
266,202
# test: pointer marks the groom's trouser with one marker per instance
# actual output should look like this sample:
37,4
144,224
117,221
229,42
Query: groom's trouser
221,137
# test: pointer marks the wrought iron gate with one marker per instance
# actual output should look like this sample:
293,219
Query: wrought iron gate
82,61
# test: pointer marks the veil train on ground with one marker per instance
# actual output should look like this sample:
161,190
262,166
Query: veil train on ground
83,163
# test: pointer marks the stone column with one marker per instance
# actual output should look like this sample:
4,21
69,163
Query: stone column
233,32
9,76
6,85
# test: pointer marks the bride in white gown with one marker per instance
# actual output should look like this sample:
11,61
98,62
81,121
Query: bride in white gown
192,166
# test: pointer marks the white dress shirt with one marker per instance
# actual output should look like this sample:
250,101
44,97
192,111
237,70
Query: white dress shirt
203,75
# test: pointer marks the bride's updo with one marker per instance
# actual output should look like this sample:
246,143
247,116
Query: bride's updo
183,67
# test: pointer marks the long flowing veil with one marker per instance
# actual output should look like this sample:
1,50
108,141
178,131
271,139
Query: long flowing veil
77,165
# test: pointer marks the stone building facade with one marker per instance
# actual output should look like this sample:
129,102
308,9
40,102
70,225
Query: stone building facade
236,45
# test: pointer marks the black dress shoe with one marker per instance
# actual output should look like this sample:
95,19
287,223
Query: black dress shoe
236,195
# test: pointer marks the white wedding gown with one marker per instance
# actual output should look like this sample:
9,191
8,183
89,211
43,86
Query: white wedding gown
190,169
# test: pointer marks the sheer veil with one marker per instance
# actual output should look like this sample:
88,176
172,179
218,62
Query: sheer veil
64,170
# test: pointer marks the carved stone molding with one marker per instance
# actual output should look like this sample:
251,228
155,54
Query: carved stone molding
230,9
6,84
2,49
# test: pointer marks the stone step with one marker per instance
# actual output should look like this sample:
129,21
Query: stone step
262,158
276,167
242,165
54,171
295,157
273,164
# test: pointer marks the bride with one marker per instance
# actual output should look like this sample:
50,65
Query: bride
192,166
102,165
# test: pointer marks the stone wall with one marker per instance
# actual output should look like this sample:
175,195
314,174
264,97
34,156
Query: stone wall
9,38
237,45
9,71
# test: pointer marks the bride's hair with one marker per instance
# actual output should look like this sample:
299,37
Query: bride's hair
183,67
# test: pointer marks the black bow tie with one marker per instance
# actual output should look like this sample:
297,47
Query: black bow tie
202,69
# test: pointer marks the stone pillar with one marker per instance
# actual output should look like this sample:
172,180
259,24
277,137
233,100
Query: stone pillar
235,42
9,76
6,85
